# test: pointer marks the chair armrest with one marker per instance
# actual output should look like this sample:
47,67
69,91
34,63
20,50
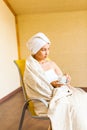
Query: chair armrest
44,117
38,99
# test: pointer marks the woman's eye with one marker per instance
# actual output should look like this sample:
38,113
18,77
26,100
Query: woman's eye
43,49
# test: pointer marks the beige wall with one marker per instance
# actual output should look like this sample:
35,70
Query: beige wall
68,34
9,78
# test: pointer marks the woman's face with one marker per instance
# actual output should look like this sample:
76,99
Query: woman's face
42,53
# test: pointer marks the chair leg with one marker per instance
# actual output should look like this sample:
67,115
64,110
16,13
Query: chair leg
22,116
50,128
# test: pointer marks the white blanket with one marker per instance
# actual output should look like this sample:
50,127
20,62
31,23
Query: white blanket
67,106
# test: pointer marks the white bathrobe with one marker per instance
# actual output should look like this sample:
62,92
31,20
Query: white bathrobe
67,106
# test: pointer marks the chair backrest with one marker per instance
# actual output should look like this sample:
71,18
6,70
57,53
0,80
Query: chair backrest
20,64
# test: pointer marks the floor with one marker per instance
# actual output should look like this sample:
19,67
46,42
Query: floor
10,112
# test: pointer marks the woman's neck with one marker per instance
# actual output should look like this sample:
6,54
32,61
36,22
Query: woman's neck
41,61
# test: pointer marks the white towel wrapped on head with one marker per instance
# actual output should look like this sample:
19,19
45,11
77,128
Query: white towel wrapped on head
36,42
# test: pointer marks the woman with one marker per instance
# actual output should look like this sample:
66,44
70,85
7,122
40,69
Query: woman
44,79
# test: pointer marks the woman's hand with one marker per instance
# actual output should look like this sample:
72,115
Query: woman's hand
56,84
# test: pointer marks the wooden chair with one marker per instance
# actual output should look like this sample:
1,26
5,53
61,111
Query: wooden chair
28,104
